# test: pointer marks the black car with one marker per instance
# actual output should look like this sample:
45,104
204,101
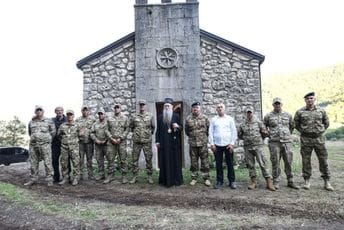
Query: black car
9,155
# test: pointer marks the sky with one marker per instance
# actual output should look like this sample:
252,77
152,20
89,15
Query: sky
41,41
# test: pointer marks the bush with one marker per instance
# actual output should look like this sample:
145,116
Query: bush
335,134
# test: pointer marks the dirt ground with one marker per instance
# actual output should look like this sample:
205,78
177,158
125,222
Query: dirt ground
142,206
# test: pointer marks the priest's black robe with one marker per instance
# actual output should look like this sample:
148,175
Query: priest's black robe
169,152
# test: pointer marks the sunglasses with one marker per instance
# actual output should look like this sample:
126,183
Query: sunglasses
39,110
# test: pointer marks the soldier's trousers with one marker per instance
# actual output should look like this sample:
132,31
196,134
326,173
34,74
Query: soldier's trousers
86,149
147,151
38,153
307,146
280,150
70,161
251,155
120,151
196,153
100,154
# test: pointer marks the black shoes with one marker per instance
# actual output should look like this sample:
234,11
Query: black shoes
232,185
218,185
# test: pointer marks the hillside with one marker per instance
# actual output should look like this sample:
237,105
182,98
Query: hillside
328,83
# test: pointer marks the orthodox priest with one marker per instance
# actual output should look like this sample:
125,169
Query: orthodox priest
168,145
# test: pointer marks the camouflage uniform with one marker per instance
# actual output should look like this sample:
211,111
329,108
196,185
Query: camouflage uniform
68,133
143,127
251,133
280,126
196,128
118,129
41,132
312,124
86,145
98,133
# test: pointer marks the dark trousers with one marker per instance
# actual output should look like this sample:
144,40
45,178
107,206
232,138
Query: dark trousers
220,150
56,152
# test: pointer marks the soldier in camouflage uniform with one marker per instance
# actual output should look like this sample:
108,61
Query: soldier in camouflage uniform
142,126
252,132
86,145
312,122
98,135
70,157
117,136
196,128
280,126
41,131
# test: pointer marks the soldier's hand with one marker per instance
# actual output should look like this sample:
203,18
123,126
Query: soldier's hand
213,148
158,145
113,141
82,132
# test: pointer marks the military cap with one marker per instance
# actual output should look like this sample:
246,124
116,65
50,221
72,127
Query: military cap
37,107
69,111
142,102
309,94
195,103
168,100
85,107
277,99
101,110
249,109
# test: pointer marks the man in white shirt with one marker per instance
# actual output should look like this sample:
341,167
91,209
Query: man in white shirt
222,137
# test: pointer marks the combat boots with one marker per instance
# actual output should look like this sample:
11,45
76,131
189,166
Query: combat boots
75,182
276,184
124,180
328,186
62,182
291,184
30,182
307,184
133,180
269,184
193,182
99,177
107,180
150,180
207,183
253,184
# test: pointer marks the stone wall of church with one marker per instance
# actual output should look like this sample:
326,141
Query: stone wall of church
232,78
110,79
229,77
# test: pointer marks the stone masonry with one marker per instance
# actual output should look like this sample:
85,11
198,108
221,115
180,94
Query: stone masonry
169,56
110,79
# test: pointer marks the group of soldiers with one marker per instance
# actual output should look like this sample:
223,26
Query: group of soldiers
106,136
81,137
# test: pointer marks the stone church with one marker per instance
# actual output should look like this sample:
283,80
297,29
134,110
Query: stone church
168,55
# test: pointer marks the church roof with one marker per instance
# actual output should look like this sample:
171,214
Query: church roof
203,33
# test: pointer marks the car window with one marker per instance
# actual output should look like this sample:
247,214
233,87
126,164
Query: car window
19,151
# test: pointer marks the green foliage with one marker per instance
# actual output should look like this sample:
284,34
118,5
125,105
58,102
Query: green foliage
12,132
335,134
327,83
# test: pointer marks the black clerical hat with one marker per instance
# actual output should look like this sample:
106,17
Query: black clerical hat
168,100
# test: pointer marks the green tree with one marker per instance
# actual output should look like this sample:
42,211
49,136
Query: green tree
12,133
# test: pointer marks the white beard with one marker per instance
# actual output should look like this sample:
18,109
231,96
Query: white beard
167,116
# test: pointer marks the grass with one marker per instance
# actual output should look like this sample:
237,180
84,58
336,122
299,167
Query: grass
166,217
